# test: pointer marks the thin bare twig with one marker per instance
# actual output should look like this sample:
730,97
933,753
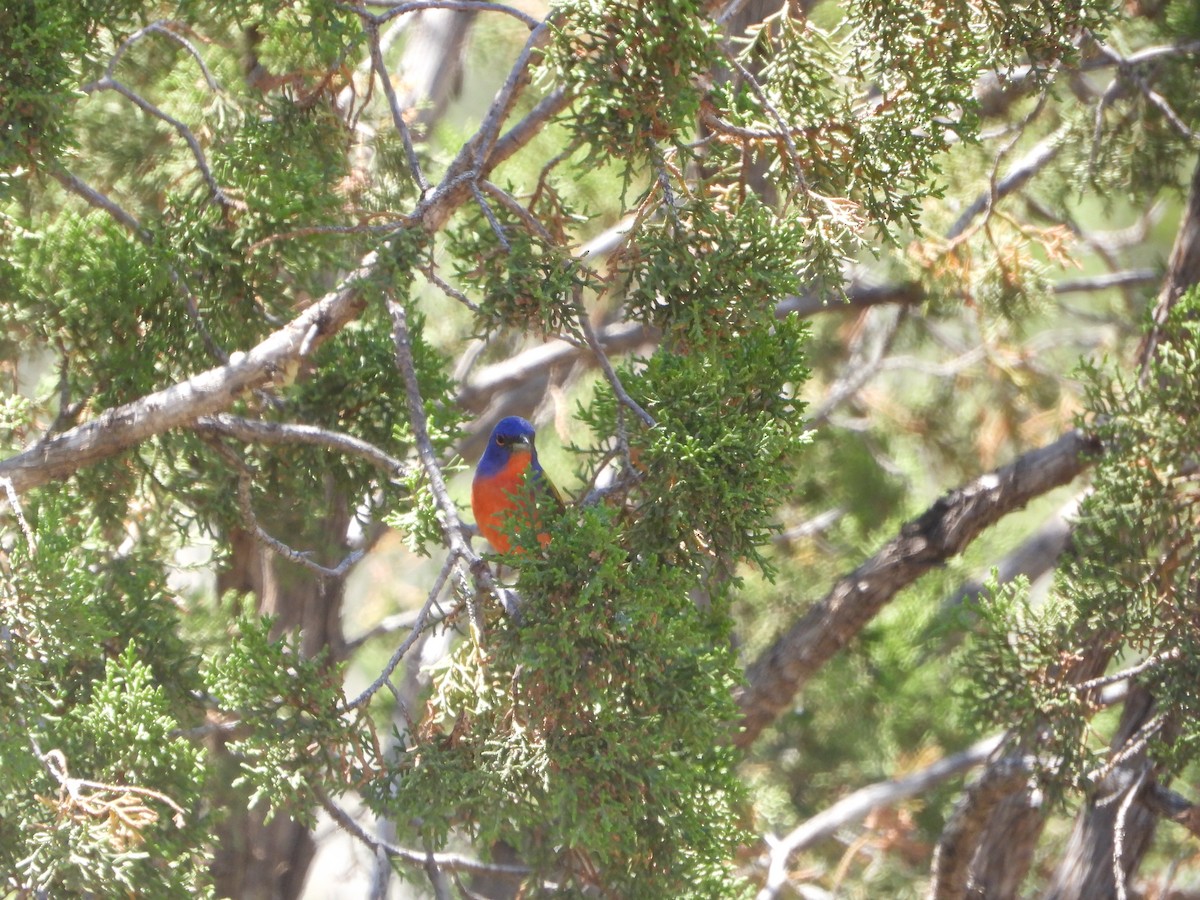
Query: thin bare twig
202,163
15,502
497,228
509,202
161,27
1148,663
250,520
857,805
371,27
451,861
417,628
100,201
1118,852
485,139
449,290
610,374
108,83
453,532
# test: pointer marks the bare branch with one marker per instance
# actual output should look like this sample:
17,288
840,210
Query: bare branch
418,627
453,531
100,201
1127,278
14,501
122,427
610,374
484,141
400,9
250,521
1175,807
258,431
451,861
857,805
108,83
371,27
1017,177
939,533
952,858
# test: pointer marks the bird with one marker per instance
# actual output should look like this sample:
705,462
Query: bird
507,479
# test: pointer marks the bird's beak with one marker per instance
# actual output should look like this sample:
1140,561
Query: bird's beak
521,444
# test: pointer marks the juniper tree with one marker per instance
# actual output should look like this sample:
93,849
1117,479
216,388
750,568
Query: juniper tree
262,297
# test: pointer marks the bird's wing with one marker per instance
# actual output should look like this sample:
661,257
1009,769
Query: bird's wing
547,487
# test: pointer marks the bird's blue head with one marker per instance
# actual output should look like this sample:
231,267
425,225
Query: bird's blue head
511,435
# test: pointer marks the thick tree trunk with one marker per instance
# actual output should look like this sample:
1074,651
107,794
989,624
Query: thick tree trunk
255,859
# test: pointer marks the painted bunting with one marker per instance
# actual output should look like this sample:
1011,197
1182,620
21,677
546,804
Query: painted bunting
509,477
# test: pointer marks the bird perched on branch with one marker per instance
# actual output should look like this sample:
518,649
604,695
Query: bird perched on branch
509,479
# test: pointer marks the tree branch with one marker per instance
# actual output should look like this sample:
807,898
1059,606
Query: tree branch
955,850
860,803
121,428
261,432
940,533
451,861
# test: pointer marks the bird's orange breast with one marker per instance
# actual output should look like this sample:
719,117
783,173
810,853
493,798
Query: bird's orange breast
494,497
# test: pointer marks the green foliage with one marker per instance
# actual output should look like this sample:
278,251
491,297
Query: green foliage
95,689
522,275
1127,591
588,733
296,737
44,48
728,421
622,60
713,267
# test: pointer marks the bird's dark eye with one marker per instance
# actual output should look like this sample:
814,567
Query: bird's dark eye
501,440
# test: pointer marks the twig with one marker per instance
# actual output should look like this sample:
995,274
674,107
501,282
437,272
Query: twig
485,138
55,762
1127,278
785,132
108,83
860,803
453,862
400,9
452,527
100,201
206,393
497,228
449,290
522,132
514,206
15,502
1118,869
1148,663
160,27
610,374
1017,177
250,520
371,27
418,627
